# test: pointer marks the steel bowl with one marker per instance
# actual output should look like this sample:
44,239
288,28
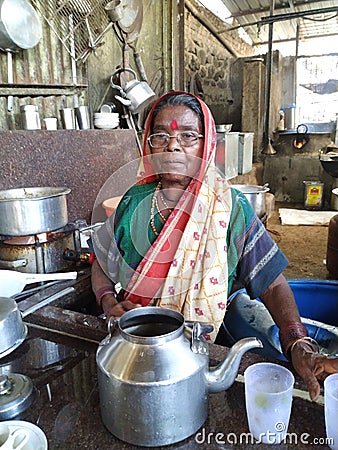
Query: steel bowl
224,128
13,331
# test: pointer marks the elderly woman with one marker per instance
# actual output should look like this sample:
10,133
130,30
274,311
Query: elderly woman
181,237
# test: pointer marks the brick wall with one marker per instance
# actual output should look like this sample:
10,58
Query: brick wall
215,64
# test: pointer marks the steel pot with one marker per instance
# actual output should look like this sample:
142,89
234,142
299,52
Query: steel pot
13,329
256,195
27,211
148,362
136,95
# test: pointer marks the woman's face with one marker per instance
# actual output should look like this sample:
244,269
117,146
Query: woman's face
177,163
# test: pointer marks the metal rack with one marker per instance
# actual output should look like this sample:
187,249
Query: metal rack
79,24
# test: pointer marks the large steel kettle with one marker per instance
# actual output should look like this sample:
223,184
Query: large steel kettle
136,95
149,361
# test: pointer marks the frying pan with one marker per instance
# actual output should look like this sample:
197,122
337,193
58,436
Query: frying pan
12,282
20,28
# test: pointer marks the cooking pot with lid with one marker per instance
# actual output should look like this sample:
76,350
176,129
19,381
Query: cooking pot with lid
256,195
26,211
148,363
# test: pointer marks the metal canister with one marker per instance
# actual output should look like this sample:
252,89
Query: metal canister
313,195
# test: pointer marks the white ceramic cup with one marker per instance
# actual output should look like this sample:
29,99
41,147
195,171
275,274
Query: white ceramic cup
51,123
331,409
13,440
268,398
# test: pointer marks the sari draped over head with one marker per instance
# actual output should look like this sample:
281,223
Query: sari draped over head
186,267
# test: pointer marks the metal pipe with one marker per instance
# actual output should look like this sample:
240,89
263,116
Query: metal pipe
280,17
267,147
47,301
295,15
10,79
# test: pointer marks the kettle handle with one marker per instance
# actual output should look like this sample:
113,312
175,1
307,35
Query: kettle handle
198,343
118,71
112,326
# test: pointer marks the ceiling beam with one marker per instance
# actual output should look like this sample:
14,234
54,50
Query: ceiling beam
295,15
280,17
263,10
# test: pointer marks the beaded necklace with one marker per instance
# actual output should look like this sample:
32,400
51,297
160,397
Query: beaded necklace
164,202
159,211
155,207
152,210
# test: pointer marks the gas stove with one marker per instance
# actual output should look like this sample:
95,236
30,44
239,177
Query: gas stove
46,252
73,310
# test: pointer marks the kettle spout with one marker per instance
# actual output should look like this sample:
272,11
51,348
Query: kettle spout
221,377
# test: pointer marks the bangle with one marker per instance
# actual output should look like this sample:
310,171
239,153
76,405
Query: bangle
309,341
289,333
100,293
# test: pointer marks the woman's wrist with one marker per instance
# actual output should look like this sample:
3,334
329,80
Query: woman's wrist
289,334
305,341
108,301
105,291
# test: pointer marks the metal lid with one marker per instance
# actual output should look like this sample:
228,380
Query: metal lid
16,395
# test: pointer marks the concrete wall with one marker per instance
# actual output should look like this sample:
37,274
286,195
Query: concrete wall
81,160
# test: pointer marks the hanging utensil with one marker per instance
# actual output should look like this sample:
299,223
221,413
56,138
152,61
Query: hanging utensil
20,28
137,92
13,282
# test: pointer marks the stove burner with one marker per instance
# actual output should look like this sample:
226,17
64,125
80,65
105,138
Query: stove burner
40,237
40,253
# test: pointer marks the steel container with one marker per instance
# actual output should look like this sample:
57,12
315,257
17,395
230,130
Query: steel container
256,195
28,211
152,367
154,376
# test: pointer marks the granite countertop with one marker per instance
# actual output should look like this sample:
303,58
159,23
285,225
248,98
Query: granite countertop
66,403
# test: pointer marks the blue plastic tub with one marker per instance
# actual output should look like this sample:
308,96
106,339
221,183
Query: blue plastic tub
317,301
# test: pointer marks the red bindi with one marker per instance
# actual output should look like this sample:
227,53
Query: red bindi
174,125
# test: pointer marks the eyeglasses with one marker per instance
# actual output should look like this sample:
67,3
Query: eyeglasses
184,138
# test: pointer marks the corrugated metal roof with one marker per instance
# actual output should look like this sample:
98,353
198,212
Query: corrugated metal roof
315,18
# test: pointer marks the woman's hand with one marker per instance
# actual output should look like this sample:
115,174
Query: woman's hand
312,366
111,307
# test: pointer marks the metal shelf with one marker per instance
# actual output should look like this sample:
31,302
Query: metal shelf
37,90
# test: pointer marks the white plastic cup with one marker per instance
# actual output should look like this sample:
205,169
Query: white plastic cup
51,123
331,409
268,399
